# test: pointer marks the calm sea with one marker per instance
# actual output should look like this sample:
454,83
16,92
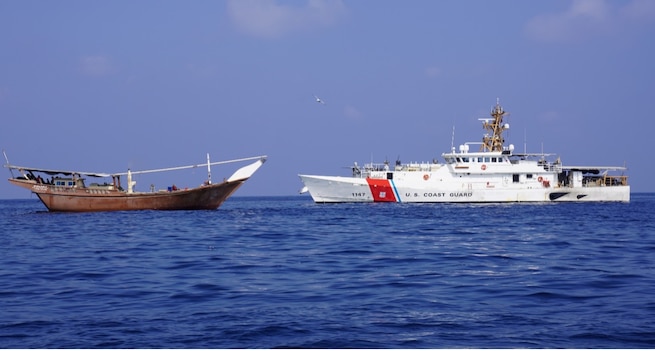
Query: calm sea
283,272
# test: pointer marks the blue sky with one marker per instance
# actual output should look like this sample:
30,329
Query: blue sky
106,85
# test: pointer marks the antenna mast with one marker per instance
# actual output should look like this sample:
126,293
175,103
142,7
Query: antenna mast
494,142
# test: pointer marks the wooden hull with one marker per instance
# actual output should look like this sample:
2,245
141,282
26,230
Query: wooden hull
70,194
61,199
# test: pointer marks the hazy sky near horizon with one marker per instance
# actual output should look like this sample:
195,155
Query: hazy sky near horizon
106,85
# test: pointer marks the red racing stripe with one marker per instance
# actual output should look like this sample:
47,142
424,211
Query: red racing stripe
381,190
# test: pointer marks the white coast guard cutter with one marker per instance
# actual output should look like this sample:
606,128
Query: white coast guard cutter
493,174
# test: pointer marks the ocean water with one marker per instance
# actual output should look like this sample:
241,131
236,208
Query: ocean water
283,272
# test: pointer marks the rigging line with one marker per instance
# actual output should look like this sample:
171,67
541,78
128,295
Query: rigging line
191,166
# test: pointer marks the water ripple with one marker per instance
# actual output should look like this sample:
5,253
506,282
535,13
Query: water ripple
287,273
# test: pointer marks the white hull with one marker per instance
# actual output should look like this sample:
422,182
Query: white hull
493,174
349,189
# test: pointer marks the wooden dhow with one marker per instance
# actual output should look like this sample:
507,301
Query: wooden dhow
67,191
495,173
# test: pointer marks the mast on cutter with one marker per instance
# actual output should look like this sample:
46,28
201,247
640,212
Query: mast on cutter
495,141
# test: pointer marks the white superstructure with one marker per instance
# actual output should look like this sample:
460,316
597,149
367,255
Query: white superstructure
493,174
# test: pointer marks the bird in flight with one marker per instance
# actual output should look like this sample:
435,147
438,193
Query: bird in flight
318,99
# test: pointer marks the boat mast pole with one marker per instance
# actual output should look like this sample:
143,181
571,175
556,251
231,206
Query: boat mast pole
129,181
209,171
7,159
494,142
193,166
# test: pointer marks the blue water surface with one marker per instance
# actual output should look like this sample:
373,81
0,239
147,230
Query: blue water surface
283,272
